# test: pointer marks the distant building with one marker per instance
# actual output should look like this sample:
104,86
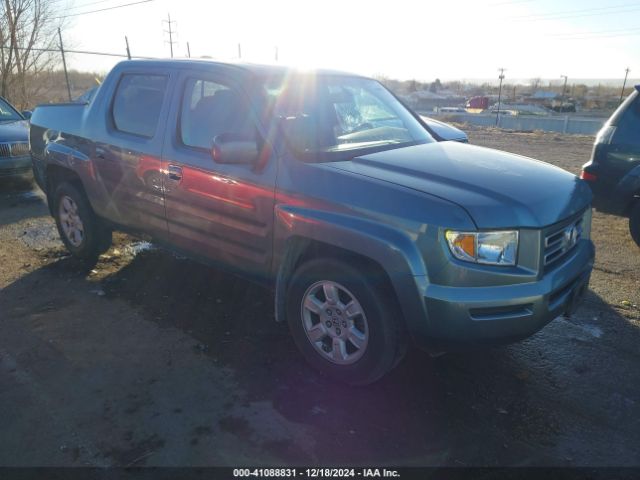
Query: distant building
426,100
542,96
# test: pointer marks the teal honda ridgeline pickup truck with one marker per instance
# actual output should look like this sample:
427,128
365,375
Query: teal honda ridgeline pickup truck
369,228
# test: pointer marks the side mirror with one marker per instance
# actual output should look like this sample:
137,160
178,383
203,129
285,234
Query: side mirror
234,148
26,114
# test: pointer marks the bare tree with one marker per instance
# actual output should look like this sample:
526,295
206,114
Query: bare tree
28,30
535,84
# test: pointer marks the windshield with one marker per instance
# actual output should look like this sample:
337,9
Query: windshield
339,117
7,112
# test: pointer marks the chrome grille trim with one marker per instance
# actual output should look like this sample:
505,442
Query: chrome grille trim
561,241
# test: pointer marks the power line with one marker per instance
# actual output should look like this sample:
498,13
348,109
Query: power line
514,2
104,9
579,10
583,12
83,52
82,5
589,36
597,32
627,10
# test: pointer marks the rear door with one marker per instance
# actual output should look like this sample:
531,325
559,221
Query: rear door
221,212
127,159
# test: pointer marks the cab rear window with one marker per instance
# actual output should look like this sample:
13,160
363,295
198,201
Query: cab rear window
137,104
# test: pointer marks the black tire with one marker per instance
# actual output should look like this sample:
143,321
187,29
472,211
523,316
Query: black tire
96,238
634,223
386,343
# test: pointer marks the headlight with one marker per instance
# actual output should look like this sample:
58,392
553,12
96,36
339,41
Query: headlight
490,248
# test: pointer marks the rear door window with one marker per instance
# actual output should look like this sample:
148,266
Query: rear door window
627,121
138,102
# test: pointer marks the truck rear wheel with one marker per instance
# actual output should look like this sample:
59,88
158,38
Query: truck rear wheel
80,229
344,322
634,223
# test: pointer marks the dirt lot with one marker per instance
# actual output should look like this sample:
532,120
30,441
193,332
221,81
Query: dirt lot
151,359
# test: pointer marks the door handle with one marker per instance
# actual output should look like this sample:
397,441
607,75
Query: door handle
174,172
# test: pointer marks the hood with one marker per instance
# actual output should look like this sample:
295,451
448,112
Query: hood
498,189
444,130
15,131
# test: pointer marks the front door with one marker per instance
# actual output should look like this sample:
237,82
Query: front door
223,212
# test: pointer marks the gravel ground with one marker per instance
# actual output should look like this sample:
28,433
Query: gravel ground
151,359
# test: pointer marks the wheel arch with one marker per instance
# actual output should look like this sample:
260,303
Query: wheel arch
383,251
301,250
56,174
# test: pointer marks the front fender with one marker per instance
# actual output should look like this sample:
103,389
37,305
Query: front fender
391,248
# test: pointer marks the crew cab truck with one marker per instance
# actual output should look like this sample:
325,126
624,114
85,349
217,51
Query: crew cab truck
324,187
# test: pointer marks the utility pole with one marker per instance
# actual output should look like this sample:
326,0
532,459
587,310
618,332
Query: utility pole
188,50
564,87
276,54
64,64
624,84
501,77
239,51
126,40
171,31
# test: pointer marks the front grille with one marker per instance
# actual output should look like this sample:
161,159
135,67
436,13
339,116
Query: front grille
561,241
16,149
19,149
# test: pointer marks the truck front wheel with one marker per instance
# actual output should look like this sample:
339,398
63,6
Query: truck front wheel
344,321
80,229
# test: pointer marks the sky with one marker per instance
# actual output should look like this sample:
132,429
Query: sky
420,39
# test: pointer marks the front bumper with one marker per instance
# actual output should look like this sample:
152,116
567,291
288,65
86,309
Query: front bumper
15,166
459,316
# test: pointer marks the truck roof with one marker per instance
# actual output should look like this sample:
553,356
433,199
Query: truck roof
255,69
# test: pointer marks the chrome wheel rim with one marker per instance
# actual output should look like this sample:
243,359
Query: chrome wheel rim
72,225
334,322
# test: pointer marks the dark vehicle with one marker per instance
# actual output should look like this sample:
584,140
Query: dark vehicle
614,169
15,160
325,188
